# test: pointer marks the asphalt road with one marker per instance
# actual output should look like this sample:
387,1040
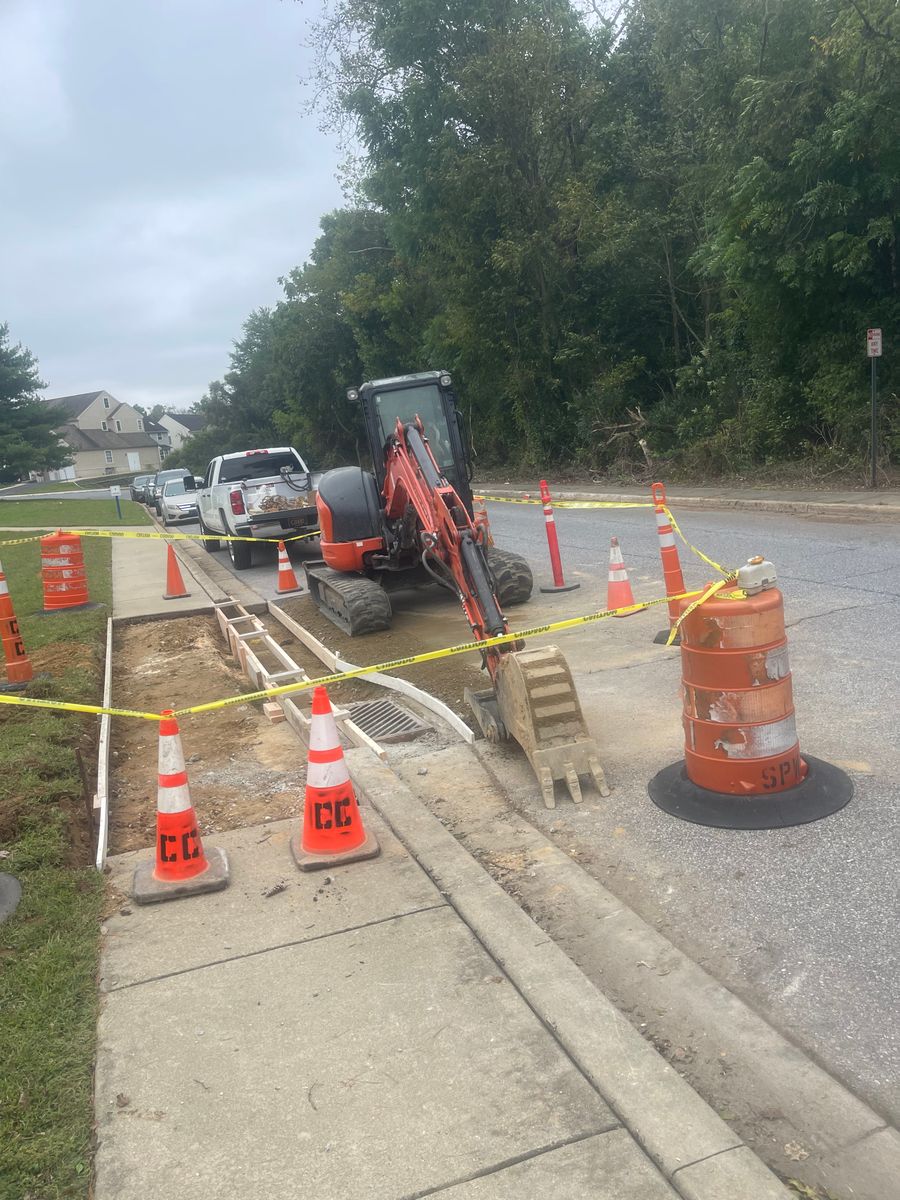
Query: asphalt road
801,922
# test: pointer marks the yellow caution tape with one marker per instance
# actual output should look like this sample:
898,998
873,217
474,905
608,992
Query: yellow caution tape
63,706
392,665
430,655
21,541
179,537
612,504
710,592
730,575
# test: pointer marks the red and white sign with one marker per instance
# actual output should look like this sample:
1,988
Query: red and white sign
873,343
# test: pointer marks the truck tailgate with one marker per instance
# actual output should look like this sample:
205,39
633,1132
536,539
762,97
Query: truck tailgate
275,498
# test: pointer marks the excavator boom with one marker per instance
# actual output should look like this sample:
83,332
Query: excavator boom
533,699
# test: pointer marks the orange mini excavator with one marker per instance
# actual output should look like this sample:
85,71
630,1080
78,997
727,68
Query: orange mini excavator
410,520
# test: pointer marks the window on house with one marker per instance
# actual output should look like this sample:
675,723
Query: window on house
108,454
106,401
118,426
104,425
140,425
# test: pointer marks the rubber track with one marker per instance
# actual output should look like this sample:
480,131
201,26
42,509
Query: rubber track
512,576
356,604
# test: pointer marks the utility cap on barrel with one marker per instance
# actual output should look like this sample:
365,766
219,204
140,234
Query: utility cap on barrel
756,575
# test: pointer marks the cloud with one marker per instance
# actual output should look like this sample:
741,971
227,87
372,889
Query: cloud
34,108
168,184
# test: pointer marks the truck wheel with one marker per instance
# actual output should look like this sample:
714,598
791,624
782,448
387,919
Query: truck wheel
512,576
241,554
212,544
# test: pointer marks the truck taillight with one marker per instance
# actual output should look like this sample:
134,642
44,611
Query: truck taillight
237,504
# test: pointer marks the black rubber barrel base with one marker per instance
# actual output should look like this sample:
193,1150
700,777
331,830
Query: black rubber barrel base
824,791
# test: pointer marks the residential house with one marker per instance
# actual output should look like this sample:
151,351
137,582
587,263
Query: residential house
160,435
106,437
181,426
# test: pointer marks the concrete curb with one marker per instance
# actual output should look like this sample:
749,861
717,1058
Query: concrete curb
878,512
697,1152
853,1151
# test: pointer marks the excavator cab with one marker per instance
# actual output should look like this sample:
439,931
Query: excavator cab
429,396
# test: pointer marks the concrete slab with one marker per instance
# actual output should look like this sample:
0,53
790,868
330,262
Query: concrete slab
737,1174
606,1167
269,903
672,1123
139,580
377,1063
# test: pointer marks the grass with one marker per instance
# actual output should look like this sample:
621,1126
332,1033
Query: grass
71,513
49,948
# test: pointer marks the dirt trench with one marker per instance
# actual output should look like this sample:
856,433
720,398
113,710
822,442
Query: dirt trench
242,769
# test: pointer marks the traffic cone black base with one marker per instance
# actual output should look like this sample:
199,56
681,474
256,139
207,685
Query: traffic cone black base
825,790
563,587
147,889
317,862
663,637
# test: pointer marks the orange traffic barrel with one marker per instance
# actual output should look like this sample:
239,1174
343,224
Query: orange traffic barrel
62,572
742,766
18,665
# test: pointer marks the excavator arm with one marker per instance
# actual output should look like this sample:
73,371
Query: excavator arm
444,529
533,698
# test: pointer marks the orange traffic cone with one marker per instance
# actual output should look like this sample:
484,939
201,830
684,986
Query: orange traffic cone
618,590
481,521
287,580
18,664
181,867
175,588
333,830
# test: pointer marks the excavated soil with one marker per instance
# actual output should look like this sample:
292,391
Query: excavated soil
242,769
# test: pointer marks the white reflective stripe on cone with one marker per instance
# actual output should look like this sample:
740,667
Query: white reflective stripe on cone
4,590
173,799
171,756
618,575
328,774
323,733
664,529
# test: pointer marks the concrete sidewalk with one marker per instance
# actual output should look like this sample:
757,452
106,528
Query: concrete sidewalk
336,1035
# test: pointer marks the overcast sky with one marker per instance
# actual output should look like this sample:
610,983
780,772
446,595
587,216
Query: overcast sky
157,175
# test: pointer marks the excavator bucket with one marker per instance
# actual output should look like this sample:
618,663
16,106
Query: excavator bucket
534,701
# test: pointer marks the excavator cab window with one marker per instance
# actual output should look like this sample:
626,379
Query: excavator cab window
407,404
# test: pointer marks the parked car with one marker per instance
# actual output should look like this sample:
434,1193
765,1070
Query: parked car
267,493
154,490
178,500
139,486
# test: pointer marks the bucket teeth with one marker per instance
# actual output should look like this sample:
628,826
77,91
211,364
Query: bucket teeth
545,779
599,777
573,784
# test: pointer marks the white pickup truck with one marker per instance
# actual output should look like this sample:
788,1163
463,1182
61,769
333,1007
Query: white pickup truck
256,493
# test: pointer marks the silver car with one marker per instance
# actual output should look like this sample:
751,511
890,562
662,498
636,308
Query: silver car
178,500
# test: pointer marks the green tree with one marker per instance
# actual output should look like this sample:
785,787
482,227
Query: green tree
28,438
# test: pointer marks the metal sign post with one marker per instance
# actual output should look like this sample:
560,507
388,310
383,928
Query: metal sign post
873,349
116,492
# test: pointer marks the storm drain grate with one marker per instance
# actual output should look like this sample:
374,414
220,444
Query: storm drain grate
385,721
